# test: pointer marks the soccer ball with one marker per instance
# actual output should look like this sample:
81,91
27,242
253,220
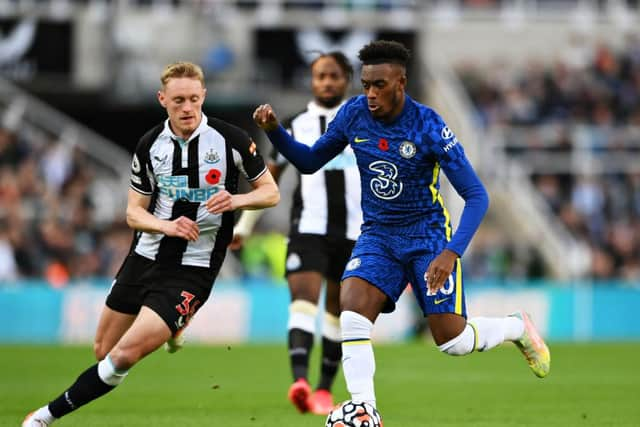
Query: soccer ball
354,414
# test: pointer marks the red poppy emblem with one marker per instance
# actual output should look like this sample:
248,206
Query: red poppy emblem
213,177
383,144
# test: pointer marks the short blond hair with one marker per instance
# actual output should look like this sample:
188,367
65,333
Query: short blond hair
181,69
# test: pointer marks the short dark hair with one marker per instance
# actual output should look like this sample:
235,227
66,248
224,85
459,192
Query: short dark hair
384,52
340,58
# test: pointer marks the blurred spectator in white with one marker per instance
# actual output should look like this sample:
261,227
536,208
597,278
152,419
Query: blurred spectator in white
56,164
579,52
587,197
8,266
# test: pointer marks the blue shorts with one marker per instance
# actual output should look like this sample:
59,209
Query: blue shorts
391,261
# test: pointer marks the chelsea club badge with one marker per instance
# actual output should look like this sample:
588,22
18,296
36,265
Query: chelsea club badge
407,149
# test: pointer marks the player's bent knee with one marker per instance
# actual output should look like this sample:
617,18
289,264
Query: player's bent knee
462,344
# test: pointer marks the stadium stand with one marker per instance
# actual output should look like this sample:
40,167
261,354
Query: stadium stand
574,129
60,210
566,131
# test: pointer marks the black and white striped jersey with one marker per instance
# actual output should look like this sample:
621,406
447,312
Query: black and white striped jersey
326,202
181,175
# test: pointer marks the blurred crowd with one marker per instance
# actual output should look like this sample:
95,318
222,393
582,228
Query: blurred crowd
575,126
574,123
319,4
47,227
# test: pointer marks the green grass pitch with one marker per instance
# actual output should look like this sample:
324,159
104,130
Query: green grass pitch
246,385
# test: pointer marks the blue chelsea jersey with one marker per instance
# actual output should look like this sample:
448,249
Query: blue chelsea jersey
399,164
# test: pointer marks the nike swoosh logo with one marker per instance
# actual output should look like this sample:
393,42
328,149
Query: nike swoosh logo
440,301
359,140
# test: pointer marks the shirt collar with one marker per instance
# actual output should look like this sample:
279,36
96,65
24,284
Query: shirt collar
316,108
167,132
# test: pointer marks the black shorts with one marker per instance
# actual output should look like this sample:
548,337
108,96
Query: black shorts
174,292
314,252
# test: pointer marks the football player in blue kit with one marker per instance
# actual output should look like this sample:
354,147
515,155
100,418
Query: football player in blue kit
407,236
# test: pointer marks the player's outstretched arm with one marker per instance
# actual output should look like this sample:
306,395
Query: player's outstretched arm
139,218
306,159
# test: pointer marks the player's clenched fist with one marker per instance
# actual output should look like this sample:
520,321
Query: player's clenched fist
183,227
265,117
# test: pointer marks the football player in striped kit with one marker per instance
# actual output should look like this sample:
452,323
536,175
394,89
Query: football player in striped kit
183,191
325,222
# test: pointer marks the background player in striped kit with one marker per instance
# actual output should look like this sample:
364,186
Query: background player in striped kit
184,182
325,222
407,236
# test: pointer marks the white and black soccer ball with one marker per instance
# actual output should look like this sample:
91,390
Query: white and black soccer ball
354,414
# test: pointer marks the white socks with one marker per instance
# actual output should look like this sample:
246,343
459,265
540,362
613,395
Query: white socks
109,374
484,333
513,328
492,331
462,344
358,362
331,327
302,315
